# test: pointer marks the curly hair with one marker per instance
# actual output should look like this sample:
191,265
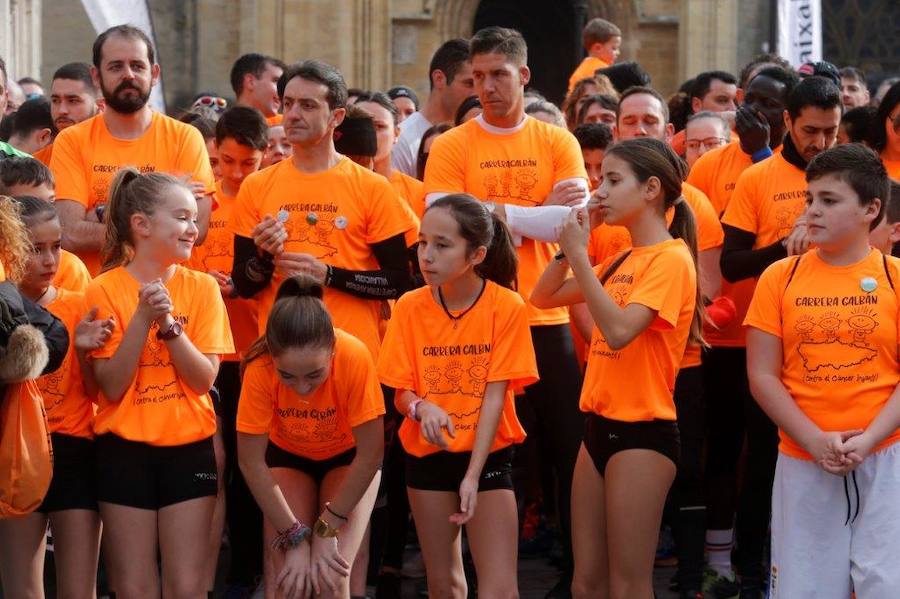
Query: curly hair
15,244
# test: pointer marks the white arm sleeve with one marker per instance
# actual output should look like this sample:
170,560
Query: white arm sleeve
541,223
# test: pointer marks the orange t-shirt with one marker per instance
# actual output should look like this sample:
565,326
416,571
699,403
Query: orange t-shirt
72,274
217,253
275,119
450,363
87,157
317,426
768,197
839,342
410,189
636,383
586,69
335,216
69,408
893,168
44,154
517,168
609,240
157,408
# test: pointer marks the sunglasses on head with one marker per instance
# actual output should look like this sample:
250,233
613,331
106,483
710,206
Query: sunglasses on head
214,102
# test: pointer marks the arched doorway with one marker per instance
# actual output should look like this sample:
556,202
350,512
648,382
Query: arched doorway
552,31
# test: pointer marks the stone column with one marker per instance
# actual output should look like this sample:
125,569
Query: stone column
707,36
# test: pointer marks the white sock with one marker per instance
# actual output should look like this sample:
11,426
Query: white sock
718,549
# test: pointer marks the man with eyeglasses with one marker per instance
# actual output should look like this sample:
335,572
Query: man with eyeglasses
705,131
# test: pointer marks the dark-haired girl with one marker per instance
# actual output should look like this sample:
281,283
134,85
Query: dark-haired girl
70,504
645,309
156,469
456,351
310,442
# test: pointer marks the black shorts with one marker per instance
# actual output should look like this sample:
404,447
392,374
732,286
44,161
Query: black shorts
74,482
604,438
277,457
151,477
445,470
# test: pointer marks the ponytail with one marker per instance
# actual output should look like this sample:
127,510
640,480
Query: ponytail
131,193
480,227
684,227
15,245
298,318
647,158
501,262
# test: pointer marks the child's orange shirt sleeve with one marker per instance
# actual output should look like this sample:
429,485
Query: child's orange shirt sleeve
212,335
661,288
765,307
365,401
257,403
512,357
395,364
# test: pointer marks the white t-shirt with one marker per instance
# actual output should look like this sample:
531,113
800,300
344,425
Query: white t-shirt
406,150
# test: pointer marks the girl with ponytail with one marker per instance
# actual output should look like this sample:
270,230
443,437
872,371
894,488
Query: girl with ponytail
456,351
646,309
310,442
156,468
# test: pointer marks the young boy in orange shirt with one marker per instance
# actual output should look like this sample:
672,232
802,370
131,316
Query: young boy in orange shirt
822,363
601,42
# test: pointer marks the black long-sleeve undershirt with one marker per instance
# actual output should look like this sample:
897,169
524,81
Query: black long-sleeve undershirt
389,282
740,261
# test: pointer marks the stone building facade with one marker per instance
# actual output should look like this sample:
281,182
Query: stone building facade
380,43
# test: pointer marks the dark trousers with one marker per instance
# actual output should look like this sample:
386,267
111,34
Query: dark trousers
549,413
686,499
242,515
735,419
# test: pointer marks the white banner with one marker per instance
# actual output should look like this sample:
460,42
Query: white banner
109,13
800,31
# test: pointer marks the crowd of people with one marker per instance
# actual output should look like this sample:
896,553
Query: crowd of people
320,321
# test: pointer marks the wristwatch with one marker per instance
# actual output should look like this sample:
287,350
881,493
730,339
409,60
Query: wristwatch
324,530
175,329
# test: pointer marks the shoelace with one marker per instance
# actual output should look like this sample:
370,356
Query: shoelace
847,496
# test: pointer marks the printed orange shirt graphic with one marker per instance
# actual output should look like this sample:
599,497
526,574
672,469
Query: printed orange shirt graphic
316,426
217,254
518,168
69,409
86,157
586,69
158,408
636,383
609,240
838,327
335,216
411,190
767,200
450,363
716,174
72,273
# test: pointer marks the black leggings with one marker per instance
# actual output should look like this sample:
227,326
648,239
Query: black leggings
687,501
733,416
242,515
549,413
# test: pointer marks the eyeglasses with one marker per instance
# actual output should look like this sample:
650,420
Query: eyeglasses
216,103
709,143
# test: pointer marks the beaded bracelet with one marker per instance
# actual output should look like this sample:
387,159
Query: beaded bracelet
291,537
